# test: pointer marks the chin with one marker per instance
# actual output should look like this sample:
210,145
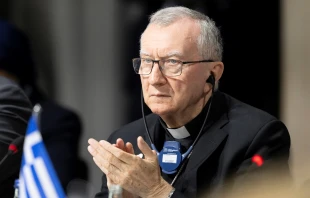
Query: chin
161,109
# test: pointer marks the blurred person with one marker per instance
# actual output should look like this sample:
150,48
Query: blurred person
198,140
60,127
15,110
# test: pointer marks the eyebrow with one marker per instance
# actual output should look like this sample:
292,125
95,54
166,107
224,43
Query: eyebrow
173,53
169,54
142,52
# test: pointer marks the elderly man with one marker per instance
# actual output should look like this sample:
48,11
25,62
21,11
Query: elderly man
197,140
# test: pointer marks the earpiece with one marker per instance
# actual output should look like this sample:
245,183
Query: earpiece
211,79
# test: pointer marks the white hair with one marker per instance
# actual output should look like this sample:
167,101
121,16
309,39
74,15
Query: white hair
209,41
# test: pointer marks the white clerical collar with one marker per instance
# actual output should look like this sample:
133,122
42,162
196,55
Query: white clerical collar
179,133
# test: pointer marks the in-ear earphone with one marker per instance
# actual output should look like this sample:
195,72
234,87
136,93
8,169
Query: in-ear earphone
211,79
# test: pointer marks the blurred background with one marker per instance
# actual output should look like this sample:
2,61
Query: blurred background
83,51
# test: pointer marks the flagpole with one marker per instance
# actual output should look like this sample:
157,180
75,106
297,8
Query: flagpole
38,177
36,112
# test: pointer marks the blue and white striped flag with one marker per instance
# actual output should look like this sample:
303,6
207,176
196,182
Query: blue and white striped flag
37,176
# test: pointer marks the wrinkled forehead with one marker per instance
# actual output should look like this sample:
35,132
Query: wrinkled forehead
174,38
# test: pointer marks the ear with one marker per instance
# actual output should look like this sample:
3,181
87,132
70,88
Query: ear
217,70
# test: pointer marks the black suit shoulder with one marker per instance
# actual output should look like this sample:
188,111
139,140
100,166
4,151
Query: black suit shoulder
246,121
253,131
13,101
15,110
245,114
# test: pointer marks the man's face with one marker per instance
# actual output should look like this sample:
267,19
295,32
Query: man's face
172,96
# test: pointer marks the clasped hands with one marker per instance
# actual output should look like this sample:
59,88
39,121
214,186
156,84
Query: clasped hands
137,177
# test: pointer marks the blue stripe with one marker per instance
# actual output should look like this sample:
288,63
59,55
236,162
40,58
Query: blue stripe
37,181
40,151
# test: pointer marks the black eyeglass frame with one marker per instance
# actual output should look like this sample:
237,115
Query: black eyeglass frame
160,67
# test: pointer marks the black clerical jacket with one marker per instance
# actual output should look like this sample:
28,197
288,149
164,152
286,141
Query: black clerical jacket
222,158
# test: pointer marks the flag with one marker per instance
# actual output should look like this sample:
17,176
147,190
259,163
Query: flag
37,176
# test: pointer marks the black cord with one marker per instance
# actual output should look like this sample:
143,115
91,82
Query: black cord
4,158
194,143
196,140
144,120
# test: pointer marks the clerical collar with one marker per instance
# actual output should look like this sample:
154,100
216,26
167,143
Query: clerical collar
192,128
179,133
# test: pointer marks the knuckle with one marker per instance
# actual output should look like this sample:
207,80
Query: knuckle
109,157
139,163
94,152
104,164
119,155
129,172
112,177
109,167
126,175
125,179
114,160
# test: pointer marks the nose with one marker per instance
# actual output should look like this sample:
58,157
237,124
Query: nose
156,76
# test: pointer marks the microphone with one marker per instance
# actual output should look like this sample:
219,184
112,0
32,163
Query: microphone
13,148
258,160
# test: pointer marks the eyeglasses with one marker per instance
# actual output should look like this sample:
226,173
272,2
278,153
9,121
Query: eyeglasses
168,67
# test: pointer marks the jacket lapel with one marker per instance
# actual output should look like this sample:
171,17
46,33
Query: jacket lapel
208,143
214,133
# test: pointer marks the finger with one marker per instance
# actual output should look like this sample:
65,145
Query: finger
96,155
121,155
106,158
94,147
111,176
109,167
120,144
93,143
145,149
92,150
102,168
129,148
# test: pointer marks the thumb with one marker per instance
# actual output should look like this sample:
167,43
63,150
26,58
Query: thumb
145,149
